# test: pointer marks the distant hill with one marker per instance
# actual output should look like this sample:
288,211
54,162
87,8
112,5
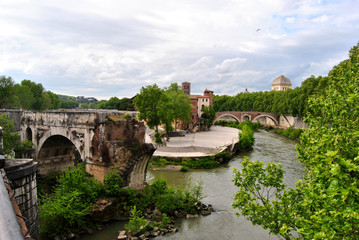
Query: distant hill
79,99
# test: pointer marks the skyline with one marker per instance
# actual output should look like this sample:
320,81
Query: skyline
112,48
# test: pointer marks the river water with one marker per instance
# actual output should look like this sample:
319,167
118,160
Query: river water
219,190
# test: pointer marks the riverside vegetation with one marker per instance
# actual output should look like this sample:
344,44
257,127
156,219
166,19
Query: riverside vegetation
325,203
71,206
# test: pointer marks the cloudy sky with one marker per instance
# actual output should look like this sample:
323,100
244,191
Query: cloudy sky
114,47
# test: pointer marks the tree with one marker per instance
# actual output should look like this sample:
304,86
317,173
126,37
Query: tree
147,103
180,103
7,97
208,116
11,139
325,203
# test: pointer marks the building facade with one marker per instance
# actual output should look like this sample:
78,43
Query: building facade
198,102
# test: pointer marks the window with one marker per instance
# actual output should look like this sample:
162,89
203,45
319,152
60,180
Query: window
207,100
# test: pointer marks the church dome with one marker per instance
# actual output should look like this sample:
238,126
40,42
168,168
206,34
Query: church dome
281,83
282,80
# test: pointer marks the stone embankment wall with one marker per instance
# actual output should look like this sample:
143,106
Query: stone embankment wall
287,121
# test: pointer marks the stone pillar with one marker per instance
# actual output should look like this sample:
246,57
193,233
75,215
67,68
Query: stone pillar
22,174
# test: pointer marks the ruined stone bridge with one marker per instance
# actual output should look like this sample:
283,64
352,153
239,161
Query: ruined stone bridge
262,117
103,139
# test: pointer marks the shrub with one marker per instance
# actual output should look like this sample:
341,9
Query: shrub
113,183
246,138
184,169
136,223
69,206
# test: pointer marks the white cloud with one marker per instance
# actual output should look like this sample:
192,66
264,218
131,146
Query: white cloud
113,48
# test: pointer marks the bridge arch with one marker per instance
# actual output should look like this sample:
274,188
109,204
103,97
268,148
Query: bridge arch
228,115
246,117
265,117
56,153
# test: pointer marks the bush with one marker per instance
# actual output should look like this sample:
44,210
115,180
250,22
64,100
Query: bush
136,223
113,184
246,138
184,169
69,206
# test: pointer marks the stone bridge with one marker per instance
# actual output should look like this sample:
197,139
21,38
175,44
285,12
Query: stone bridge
103,139
262,117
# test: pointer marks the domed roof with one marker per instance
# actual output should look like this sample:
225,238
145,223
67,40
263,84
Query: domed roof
281,80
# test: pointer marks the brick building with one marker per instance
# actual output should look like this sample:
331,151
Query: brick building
198,102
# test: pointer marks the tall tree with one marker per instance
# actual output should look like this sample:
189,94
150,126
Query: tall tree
325,204
147,103
7,96
179,103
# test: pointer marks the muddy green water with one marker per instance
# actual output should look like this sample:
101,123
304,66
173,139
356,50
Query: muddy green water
219,190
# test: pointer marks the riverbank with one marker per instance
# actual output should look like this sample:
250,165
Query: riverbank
200,144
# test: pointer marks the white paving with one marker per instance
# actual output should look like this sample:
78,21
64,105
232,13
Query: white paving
199,144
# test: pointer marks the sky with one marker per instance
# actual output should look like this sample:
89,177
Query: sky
112,48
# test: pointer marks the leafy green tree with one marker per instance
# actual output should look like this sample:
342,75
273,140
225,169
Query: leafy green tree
7,97
325,203
69,104
11,139
208,116
179,103
148,104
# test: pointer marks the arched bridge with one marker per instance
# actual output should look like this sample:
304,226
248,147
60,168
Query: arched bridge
103,139
262,117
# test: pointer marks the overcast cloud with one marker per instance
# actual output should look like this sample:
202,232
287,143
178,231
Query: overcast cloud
112,48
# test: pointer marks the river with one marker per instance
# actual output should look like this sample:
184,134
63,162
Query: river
218,190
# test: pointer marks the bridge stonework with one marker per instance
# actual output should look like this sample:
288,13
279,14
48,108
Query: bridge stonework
103,139
262,117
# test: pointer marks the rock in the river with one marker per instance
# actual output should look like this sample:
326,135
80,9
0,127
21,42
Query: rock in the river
191,216
122,235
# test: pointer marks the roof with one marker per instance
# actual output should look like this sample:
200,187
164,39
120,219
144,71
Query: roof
282,80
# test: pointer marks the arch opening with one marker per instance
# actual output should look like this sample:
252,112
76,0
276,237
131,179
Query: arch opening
56,154
265,120
227,117
246,118
29,134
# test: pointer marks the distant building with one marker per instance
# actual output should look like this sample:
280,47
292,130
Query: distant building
198,102
281,83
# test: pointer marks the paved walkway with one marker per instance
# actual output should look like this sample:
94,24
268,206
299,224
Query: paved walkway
199,144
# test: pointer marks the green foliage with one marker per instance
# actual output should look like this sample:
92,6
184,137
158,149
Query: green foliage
291,101
7,98
11,139
325,204
163,106
198,163
184,169
147,103
246,138
136,223
179,103
113,183
208,116
292,133
70,204
260,197
223,157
